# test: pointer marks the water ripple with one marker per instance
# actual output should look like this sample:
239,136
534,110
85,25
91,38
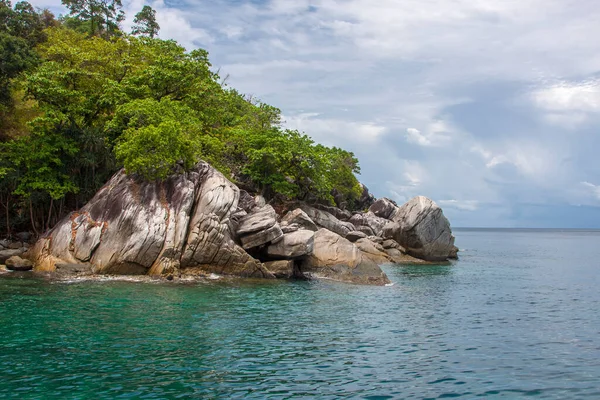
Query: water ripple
504,322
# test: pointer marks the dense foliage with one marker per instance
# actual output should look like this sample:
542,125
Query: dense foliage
79,99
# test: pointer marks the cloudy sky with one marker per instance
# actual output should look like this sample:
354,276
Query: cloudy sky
491,108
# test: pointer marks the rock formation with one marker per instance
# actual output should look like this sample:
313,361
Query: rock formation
422,229
337,258
136,227
199,222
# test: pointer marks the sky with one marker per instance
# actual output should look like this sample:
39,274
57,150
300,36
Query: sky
490,108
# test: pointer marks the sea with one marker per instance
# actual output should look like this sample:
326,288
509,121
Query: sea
517,316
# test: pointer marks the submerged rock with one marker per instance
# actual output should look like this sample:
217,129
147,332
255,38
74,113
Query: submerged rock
336,258
74,269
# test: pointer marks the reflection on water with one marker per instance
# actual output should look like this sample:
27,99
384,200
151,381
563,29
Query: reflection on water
515,317
415,271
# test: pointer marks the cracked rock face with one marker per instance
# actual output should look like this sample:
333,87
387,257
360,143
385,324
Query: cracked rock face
373,223
384,208
326,220
421,227
135,227
293,245
334,257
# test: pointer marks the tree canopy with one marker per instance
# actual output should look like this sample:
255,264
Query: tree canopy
88,99
145,23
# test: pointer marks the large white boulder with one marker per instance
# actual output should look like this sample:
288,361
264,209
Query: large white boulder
422,229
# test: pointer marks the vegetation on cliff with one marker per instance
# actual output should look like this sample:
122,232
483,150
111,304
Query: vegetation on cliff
80,98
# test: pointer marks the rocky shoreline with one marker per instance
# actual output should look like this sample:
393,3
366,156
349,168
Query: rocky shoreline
199,223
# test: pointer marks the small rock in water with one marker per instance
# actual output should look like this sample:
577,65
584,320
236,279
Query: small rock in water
16,263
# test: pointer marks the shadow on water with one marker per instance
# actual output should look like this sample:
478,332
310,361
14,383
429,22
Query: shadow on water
417,271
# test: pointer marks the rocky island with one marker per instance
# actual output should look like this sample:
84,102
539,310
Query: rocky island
128,155
199,223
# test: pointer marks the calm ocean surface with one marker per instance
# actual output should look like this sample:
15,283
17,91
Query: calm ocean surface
517,316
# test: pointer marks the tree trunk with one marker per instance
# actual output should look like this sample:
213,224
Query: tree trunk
49,214
32,219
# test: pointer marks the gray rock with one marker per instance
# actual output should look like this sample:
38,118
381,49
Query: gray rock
326,220
246,201
259,201
4,244
389,244
236,217
15,245
289,228
373,251
293,245
342,215
366,230
422,229
257,239
6,254
384,208
366,199
369,220
336,258
454,253
301,219
16,263
375,239
354,236
398,257
74,269
181,224
282,269
258,220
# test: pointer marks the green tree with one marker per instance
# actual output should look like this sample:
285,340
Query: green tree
99,102
21,29
97,17
145,23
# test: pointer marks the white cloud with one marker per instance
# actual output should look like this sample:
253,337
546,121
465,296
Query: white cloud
464,205
440,75
438,134
331,131
594,189
414,136
569,96
568,104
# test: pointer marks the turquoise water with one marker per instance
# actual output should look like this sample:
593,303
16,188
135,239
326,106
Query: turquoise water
517,316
